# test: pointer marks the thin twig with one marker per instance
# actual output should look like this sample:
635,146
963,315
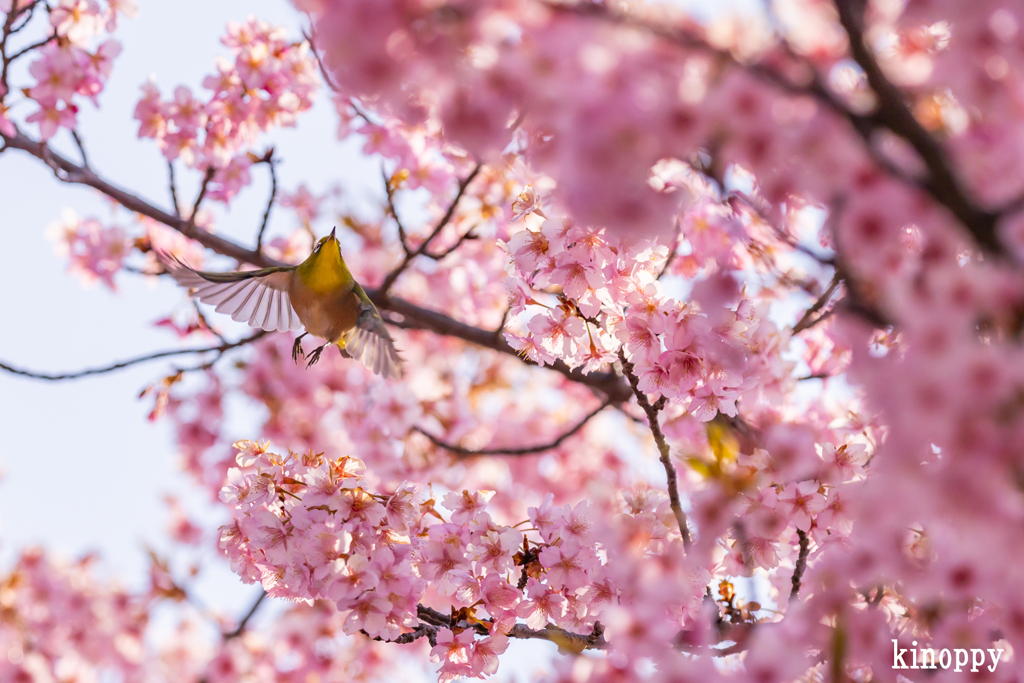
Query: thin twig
206,323
393,275
28,48
808,320
81,149
9,30
393,212
663,448
504,319
207,177
801,565
270,201
28,10
528,450
174,188
245,620
469,235
673,251
128,363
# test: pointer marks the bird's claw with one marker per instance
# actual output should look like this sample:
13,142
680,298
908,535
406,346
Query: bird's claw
315,356
297,350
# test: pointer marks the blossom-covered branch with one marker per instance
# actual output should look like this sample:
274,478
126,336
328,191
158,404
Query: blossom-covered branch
665,456
416,316
389,279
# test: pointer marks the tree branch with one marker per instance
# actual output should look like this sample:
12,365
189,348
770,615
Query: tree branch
423,630
808,320
411,315
28,11
468,235
28,48
81,148
270,201
390,278
402,235
528,450
207,177
174,188
221,349
567,639
245,620
801,565
663,448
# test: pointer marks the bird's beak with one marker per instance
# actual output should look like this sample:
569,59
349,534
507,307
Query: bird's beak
332,233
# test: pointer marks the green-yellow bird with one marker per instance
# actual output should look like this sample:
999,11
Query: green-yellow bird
319,295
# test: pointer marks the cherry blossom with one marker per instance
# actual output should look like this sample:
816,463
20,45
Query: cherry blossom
768,264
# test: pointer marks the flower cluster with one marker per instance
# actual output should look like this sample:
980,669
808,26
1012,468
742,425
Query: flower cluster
61,623
95,252
703,354
269,83
68,67
306,528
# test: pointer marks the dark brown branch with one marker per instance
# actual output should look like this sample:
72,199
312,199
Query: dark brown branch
808,320
270,201
801,565
412,316
894,114
652,411
390,278
528,450
245,620
222,348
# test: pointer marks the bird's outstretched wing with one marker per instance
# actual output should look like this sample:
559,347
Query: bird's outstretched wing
369,341
257,297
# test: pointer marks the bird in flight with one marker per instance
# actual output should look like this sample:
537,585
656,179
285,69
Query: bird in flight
319,296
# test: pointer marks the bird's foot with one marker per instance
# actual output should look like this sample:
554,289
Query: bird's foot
297,348
315,355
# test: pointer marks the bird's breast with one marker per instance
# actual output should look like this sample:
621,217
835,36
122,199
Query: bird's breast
328,315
